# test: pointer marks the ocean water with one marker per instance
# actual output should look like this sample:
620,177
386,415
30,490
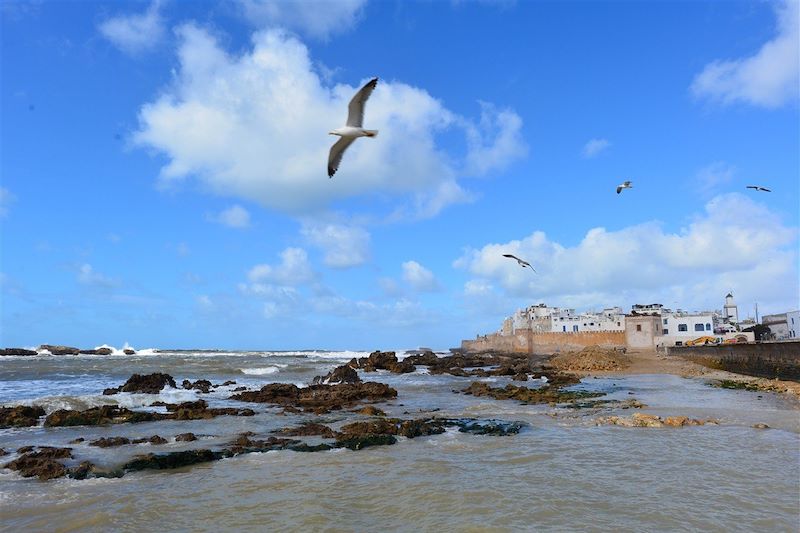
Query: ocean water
562,472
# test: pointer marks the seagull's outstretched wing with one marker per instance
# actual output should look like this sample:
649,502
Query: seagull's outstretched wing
355,111
752,187
758,188
764,189
335,155
619,189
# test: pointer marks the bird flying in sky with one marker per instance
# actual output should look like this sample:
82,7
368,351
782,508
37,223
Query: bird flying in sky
624,185
521,262
353,129
758,188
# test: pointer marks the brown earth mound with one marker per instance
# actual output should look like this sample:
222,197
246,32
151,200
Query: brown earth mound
591,358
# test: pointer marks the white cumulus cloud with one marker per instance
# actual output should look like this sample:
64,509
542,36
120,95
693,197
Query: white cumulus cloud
344,245
87,275
319,19
293,269
235,216
769,78
254,125
594,147
134,34
736,244
419,277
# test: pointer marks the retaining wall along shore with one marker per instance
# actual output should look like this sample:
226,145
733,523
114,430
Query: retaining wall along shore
526,341
769,359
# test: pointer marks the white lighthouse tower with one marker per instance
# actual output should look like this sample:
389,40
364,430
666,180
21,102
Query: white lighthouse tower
729,310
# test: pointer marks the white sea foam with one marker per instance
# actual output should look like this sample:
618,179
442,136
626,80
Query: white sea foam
260,371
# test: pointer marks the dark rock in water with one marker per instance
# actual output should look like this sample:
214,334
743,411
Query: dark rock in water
110,442
489,427
77,441
308,429
229,382
42,463
383,361
81,471
185,437
155,439
239,389
393,426
341,374
25,449
98,351
370,410
244,444
358,443
59,350
106,414
20,416
111,391
3,452
198,410
17,351
148,384
171,460
549,395
318,398
203,385
427,358
128,351
303,447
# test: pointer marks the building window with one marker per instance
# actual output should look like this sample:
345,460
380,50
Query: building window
683,327
638,327
678,343
708,326
619,323
666,331
575,328
564,328
665,321
698,327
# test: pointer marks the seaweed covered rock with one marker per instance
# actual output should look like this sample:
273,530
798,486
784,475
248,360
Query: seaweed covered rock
148,384
110,442
548,395
20,416
42,463
59,350
17,351
361,442
318,398
306,430
97,416
185,437
171,460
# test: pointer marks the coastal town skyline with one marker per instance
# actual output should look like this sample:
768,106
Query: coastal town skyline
162,187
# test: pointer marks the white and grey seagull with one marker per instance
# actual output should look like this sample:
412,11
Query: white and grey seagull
521,262
624,185
758,188
353,129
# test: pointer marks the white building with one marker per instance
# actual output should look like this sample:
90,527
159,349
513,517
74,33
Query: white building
677,327
541,318
793,321
778,325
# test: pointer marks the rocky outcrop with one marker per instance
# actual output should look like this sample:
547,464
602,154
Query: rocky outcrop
42,463
98,351
59,350
340,374
110,442
382,361
17,351
199,410
318,398
548,394
144,384
185,437
203,385
427,358
171,460
98,416
370,410
306,430
128,351
644,420
20,416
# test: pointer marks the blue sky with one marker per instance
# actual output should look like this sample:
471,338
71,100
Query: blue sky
164,167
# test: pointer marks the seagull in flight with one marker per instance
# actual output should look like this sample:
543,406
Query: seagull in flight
758,188
624,185
353,129
521,262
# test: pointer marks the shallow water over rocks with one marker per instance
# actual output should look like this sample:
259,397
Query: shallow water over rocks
560,471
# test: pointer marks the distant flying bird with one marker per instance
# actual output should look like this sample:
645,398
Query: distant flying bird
758,188
353,129
522,263
624,185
